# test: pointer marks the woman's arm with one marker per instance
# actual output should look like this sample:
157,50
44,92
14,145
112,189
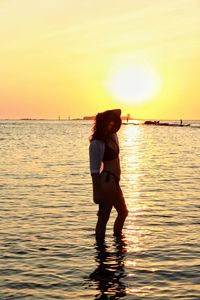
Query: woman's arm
96,183
96,152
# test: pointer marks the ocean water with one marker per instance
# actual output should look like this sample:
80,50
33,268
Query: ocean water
48,218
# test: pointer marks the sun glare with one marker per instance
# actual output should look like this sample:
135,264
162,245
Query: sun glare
133,84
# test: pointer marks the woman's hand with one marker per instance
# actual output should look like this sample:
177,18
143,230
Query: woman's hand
97,194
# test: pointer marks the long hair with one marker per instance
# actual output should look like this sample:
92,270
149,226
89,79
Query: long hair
101,122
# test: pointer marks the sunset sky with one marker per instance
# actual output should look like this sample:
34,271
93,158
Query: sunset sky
68,58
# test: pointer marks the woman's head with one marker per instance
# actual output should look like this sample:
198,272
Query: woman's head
106,123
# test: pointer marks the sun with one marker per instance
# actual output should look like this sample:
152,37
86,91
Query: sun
133,84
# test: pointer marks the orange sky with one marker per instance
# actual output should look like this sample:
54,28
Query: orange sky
57,55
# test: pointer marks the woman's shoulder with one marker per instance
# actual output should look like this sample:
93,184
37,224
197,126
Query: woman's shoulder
97,144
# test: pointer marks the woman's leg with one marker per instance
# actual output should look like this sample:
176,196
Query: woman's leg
108,189
103,217
120,206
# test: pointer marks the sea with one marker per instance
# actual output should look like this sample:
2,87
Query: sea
47,215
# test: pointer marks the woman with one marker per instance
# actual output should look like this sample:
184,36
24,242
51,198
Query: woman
105,171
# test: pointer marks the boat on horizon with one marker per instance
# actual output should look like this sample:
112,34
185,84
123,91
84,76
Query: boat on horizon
158,123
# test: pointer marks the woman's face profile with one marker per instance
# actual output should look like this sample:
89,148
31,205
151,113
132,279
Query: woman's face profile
113,126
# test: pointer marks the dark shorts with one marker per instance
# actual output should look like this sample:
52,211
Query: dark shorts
112,196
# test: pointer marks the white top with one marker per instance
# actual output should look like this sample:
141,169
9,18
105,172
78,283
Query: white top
96,153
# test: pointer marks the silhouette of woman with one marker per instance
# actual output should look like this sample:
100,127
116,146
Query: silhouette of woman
105,171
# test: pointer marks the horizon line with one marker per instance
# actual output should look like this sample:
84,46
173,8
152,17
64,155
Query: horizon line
82,119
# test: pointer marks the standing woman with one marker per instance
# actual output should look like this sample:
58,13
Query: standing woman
105,171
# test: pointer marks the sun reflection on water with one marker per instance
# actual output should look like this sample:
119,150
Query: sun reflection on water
133,173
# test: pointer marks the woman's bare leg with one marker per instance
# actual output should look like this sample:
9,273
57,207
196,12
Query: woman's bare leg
120,206
103,217
119,223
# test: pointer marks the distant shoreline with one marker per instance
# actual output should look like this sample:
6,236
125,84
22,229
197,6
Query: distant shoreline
82,119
